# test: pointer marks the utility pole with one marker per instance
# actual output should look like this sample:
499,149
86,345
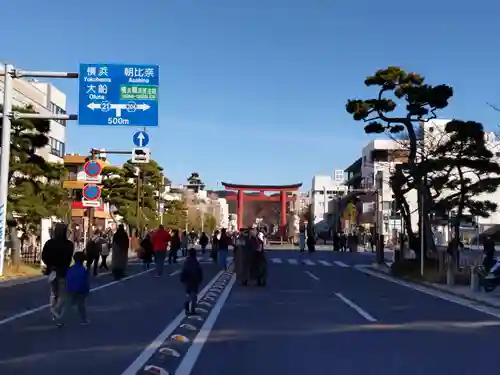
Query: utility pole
91,210
10,73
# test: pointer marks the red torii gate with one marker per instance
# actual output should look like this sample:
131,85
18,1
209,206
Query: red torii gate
241,197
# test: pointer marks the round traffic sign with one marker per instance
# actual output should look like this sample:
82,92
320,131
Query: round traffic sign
91,192
92,168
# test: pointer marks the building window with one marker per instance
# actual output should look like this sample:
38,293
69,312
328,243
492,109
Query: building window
54,108
72,172
56,147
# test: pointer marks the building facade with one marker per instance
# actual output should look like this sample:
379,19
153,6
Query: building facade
45,98
323,199
75,181
368,179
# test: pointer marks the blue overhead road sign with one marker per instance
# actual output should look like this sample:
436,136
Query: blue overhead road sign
141,139
117,94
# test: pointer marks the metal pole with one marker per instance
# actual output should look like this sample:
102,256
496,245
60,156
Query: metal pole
91,210
5,157
202,220
138,202
422,232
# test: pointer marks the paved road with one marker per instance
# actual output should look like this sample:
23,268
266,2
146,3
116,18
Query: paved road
125,316
321,314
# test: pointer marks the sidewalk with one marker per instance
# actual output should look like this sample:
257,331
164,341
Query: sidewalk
491,299
12,281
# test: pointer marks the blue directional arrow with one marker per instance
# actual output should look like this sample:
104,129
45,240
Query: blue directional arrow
141,139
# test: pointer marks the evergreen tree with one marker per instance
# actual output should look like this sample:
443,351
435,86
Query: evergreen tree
175,216
194,182
420,102
35,185
464,168
121,190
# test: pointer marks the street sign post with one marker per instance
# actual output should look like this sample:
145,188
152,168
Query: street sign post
91,195
140,155
118,94
92,171
140,139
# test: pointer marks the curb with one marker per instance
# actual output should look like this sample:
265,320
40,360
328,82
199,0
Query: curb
438,289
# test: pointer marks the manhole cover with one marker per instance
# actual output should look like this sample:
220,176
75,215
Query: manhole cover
179,338
170,352
156,370
189,327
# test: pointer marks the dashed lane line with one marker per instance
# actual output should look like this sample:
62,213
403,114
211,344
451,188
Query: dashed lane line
356,308
152,348
43,307
312,275
189,360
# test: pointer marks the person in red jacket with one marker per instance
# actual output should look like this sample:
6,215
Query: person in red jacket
160,239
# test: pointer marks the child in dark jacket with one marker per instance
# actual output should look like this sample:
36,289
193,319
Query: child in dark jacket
78,287
191,277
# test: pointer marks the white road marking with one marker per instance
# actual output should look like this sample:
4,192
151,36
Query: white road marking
355,307
341,264
190,358
151,349
312,275
175,273
293,261
43,307
324,262
437,294
276,260
308,262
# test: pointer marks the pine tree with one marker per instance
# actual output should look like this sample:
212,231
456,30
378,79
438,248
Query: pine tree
194,182
121,190
35,185
420,102
463,168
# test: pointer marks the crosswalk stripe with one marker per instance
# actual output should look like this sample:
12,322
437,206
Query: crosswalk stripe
341,264
276,260
308,262
293,261
324,262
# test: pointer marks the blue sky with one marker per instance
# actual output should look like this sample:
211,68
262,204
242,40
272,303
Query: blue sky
253,91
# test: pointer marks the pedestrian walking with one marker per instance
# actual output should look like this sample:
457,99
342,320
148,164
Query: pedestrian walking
160,239
147,251
302,237
223,248
204,242
93,250
57,254
175,246
191,277
184,243
119,253
215,245
77,288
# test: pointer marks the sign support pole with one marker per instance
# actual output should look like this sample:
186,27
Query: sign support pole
10,73
138,202
5,157
90,209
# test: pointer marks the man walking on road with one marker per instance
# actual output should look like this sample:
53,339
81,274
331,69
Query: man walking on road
160,239
191,277
57,254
